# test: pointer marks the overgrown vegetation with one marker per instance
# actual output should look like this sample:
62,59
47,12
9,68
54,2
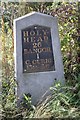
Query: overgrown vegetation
65,100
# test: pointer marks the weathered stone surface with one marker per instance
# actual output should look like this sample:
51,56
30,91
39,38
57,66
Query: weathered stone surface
36,82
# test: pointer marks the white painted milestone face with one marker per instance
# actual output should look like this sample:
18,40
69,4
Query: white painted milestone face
37,53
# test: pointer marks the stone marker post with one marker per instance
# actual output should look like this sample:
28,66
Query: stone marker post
38,60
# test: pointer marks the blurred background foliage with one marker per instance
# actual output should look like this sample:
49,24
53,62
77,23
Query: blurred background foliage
68,14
